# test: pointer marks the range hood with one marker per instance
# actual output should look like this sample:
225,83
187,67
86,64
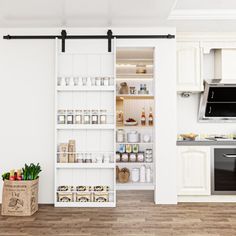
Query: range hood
218,102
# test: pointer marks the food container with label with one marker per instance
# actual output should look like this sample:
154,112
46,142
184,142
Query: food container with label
117,157
140,157
65,197
135,148
86,117
61,117
70,117
100,197
78,116
133,137
120,136
124,157
121,148
135,174
83,197
94,116
128,148
103,116
132,157
148,155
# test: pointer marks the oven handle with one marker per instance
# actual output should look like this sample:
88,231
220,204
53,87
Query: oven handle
230,155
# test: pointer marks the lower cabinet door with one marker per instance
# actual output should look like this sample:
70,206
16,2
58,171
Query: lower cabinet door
194,170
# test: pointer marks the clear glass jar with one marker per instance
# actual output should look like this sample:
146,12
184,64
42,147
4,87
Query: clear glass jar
61,117
79,157
98,81
67,80
140,157
88,158
106,81
76,80
94,116
84,81
59,81
70,117
103,116
78,116
86,117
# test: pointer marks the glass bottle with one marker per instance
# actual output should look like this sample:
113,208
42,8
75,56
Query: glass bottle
103,116
150,117
86,117
94,116
70,117
143,118
61,117
78,116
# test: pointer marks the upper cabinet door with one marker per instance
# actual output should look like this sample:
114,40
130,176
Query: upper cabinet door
193,170
188,67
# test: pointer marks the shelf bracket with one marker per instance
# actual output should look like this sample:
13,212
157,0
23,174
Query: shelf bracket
109,37
63,40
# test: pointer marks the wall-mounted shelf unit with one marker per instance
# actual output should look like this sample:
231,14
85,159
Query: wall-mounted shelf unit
85,98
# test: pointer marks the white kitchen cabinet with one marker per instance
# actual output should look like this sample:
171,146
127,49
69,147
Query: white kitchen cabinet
189,67
193,170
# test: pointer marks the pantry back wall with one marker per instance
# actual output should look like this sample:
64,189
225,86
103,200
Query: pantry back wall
27,106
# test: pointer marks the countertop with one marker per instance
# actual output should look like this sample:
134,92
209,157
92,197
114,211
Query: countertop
206,143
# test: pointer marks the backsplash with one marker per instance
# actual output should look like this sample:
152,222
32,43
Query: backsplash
187,118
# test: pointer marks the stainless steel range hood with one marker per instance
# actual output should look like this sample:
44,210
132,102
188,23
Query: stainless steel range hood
218,102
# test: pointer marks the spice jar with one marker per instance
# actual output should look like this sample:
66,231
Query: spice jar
121,148
132,157
79,158
103,116
120,136
94,116
140,157
124,157
70,117
106,158
117,157
97,81
67,81
78,116
61,117
106,81
88,158
59,81
86,117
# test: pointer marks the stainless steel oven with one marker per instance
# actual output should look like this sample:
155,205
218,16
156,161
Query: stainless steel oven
223,170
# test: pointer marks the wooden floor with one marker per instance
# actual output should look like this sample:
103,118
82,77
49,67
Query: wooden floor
135,214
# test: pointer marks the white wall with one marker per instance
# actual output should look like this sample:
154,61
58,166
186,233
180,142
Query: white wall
187,117
27,106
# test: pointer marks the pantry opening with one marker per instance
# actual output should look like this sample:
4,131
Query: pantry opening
135,109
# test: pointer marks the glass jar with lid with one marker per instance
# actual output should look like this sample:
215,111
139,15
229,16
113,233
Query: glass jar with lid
97,81
86,117
94,116
120,136
78,116
103,116
70,117
61,117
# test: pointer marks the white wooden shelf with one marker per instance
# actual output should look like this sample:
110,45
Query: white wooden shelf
93,127
150,143
134,96
85,165
147,75
134,127
135,186
85,204
134,163
85,88
124,78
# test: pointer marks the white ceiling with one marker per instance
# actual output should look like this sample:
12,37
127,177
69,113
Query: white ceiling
186,15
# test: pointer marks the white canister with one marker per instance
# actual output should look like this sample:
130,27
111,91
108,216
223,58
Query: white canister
148,174
135,174
120,136
146,138
133,137
142,174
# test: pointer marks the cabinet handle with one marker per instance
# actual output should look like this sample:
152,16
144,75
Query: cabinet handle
229,155
212,94
209,110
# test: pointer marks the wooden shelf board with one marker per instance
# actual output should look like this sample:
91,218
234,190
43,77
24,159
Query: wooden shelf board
134,96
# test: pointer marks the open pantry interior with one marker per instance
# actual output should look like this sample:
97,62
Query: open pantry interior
85,127
135,134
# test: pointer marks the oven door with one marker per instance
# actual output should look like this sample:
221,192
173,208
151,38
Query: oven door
224,171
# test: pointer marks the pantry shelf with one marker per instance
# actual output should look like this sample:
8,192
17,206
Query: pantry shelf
85,88
134,96
135,143
135,186
85,204
92,127
85,165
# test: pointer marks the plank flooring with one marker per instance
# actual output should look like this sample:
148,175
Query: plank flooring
135,215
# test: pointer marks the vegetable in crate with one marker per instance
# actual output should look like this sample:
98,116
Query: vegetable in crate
31,172
6,176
